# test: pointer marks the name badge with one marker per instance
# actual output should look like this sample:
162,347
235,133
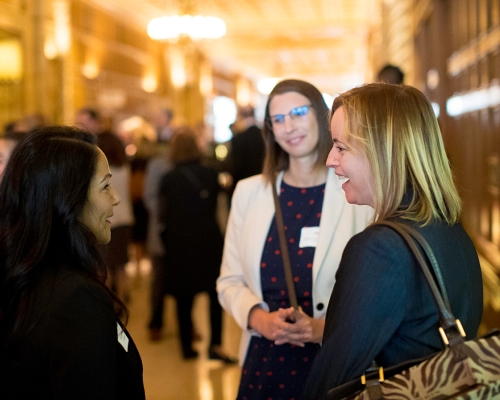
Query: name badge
122,338
309,236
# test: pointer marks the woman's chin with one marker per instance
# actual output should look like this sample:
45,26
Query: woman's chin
104,239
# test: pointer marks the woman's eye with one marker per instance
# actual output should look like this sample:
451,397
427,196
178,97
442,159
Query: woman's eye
106,187
340,149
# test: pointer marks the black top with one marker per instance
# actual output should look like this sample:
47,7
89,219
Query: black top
190,233
247,153
382,308
70,347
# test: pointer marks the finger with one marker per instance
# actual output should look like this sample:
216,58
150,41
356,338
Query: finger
293,343
286,312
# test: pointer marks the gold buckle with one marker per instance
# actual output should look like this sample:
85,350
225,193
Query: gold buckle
460,330
380,376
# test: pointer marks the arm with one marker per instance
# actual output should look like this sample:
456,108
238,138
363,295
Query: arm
365,310
241,296
81,344
235,294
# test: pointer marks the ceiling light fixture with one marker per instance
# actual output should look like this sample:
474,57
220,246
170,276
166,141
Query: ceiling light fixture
175,26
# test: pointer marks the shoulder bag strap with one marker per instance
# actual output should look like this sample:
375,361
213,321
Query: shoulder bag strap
284,250
447,320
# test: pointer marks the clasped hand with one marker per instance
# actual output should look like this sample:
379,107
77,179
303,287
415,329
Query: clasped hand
287,325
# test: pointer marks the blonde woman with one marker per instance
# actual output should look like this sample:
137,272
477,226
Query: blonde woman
388,151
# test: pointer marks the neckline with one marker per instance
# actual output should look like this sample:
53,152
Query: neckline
283,183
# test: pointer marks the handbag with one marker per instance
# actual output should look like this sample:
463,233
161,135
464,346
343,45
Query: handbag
463,370
284,251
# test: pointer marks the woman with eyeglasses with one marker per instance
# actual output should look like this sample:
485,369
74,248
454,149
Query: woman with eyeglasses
279,343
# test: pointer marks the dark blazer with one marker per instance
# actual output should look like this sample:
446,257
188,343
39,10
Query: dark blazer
247,154
69,348
381,306
191,235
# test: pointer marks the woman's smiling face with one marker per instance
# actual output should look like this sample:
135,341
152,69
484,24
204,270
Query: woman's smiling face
298,136
351,165
100,202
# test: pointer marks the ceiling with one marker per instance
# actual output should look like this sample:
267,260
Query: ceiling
323,41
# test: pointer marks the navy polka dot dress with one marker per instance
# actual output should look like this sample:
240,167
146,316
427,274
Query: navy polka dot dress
273,372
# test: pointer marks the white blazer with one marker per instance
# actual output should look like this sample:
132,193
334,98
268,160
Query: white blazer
252,211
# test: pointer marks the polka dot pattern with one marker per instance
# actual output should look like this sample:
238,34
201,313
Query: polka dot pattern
282,370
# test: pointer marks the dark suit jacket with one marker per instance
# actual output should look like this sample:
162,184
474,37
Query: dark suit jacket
382,309
247,154
69,348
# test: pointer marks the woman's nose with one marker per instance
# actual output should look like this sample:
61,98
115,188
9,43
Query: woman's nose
116,198
288,123
331,160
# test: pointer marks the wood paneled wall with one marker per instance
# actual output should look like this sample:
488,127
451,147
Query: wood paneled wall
460,40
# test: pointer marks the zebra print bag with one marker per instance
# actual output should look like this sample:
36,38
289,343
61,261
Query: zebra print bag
467,370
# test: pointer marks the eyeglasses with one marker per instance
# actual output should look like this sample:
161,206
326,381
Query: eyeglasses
278,120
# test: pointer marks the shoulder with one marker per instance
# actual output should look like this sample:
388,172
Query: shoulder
207,169
377,242
71,287
252,192
252,184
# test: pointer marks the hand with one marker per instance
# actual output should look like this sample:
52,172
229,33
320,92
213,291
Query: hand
268,324
305,329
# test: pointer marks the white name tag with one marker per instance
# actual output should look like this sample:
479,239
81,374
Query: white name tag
122,338
309,236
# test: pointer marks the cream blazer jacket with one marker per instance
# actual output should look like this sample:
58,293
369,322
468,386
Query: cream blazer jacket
252,211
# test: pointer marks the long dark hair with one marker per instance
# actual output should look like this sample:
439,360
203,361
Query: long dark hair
278,159
42,195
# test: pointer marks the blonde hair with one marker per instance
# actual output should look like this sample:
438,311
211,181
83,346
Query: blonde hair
396,127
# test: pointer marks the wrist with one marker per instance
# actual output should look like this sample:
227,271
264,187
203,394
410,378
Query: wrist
254,317
318,328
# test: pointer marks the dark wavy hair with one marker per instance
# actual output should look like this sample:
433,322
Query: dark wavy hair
42,195
276,158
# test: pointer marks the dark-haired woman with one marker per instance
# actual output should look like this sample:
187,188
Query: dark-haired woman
277,354
60,337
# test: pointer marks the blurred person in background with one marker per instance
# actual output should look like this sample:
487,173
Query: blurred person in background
163,124
156,167
192,238
246,148
89,119
390,74
33,121
279,343
140,145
